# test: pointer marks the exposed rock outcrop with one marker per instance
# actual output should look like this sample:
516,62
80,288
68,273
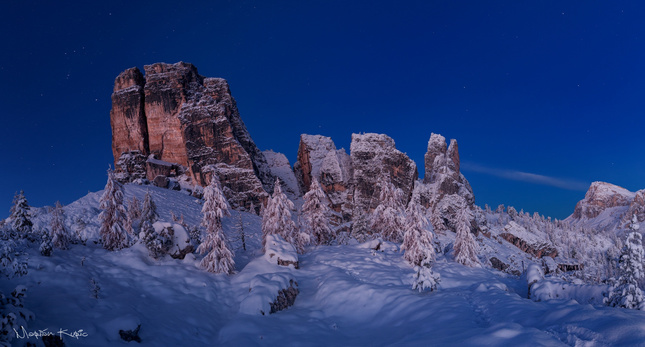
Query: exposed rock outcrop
529,243
600,197
319,158
130,166
636,207
127,117
444,188
286,297
374,156
191,121
279,167
608,207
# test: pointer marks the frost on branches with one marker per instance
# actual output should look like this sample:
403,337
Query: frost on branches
419,248
12,263
46,247
60,237
315,212
20,221
13,315
134,214
276,220
626,292
113,216
157,241
386,217
465,248
219,258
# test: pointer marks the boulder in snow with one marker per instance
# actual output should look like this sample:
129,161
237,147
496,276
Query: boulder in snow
280,252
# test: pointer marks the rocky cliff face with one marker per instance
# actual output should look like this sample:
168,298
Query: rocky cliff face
319,158
181,117
374,156
127,117
444,188
636,207
607,206
279,167
600,197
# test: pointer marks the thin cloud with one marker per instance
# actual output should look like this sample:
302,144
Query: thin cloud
528,177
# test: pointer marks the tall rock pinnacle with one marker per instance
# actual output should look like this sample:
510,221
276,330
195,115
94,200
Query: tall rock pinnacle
180,117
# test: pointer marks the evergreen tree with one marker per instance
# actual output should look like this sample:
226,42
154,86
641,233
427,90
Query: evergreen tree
219,258
60,237
419,248
465,246
276,218
315,212
113,216
626,292
158,243
240,230
133,215
386,217
134,208
46,247
20,219
12,263
417,239
437,222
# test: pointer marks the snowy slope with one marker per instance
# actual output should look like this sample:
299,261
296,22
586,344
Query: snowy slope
350,295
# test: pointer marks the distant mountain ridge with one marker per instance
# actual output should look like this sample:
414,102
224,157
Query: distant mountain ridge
175,124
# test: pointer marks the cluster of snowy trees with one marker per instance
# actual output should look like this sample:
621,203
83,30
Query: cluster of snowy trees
596,252
13,263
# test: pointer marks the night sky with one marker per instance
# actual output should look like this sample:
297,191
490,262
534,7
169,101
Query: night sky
544,97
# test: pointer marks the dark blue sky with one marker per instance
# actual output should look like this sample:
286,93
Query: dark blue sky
527,88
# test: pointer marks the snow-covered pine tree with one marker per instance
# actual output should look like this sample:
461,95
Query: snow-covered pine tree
465,248
149,209
12,263
46,247
219,258
437,222
276,218
419,248
315,214
13,315
626,292
157,243
134,208
133,215
20,220
417,239
60,237
113,216
386,219
240,228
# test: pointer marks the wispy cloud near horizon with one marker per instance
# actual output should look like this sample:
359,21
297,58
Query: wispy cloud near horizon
528,177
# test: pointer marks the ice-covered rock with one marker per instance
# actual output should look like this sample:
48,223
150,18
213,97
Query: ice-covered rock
530,243
130,166
375,157
280,252
444,188
279,167
269,293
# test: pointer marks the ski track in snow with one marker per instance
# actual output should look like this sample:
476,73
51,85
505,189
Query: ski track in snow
349,295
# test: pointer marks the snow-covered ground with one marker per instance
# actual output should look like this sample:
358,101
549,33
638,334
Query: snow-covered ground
349,295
